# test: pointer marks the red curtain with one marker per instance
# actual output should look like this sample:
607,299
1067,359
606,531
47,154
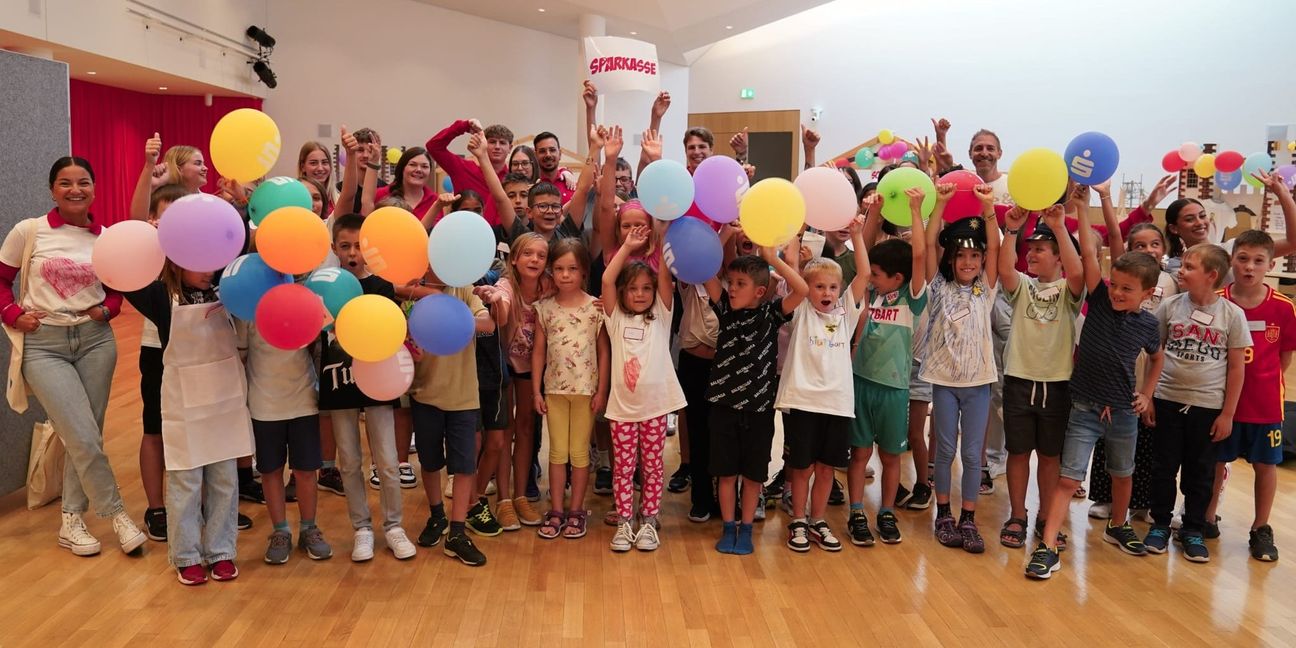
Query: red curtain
110,126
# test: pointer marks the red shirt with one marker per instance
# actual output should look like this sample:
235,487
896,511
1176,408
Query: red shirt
421,209
1273,332
463,173
565,193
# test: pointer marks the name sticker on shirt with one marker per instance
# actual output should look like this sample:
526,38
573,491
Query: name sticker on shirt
633,333
1202,318
1256,326
960,314
1047,293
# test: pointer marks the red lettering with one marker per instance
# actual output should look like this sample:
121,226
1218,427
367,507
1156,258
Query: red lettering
604,64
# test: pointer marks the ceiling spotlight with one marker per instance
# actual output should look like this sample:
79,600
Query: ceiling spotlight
633,33
162,87
263,72
263,39
92,73
541,10
728,26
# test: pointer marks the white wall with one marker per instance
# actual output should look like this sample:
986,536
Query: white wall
1150,73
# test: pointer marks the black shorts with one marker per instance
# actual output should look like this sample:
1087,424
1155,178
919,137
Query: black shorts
519,375
741,442
816,438
292,441
494,409
446,439
150,366
1035,415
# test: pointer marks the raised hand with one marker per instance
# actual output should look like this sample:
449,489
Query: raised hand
349,141
613,143
651,145
945,191
916,196
1015,218
739,143
941,126
152,149
159,175
1053,217
447,199
474,125
597,136
637,237
1103,189
872,204
809,138
589,92
477,145
1272,181
984,193
924,150
661,104
750,171
1161,190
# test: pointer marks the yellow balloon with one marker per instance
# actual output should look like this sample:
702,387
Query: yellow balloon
370,328
1291,146
772,212
244,145
393,155
885,136
293,240
1038,177
1204,167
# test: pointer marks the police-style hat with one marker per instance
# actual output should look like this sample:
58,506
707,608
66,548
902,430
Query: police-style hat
964,233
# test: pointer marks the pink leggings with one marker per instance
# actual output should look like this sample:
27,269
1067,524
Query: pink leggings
627,441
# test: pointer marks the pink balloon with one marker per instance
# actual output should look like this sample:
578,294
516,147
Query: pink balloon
127,256
964,203
386,379
829,198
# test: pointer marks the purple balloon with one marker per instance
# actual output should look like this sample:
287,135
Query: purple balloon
1288,173
201,233
719,183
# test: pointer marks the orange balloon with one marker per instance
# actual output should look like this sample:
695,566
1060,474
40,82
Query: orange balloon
292,240
394,245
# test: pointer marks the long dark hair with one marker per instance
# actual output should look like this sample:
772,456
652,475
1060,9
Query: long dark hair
398,185
1172,219
69,161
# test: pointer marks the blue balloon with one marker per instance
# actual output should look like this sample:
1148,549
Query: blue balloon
243,283
665,189
910,157
461,248
692,251
1091,158
336,287
1228,181
446,185
441,324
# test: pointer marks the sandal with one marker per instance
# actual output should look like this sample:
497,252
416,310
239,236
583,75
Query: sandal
1013,539
552,525
987,482
575,527
1061,537
1080,492
612,518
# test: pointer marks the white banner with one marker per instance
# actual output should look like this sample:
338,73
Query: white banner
617,64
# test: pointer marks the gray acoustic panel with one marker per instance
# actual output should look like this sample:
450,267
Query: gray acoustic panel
34,131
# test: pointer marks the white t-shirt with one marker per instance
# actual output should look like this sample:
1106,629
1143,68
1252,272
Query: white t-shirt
62,281
1000,186
644,385
817,375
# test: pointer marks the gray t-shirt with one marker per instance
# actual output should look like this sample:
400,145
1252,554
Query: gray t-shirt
1197,339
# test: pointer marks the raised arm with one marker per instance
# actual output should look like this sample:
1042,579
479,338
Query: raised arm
944,159
809,140
503,206
369,187
1071,264
150,177
859,285
605,212
1115,237
986,194
635,238
1014,220
1274,182
589,94
575,208
872,205
350,174
797,287
1089,255
934,225
918,247
739,145
650,149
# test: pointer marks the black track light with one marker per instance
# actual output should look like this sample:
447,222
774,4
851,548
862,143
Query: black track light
263,39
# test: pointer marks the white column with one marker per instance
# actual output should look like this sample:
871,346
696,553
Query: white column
590,25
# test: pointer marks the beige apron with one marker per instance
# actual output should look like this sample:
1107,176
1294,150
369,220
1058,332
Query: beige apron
205,417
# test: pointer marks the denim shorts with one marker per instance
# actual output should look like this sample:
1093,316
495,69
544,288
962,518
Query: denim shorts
1085,427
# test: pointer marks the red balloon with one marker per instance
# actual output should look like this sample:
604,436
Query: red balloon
1229,161
964,203
289,316
1172,163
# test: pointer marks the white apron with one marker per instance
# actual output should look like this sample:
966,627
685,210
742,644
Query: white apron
205,417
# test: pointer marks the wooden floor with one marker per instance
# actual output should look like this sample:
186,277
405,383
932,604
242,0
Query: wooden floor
578,593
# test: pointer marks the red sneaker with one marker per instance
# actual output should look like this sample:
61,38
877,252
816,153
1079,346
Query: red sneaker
192,575
224,570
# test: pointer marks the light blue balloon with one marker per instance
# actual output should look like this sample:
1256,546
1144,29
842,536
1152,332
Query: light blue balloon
1091,158
336,287
665,189
1228,181
244,281
1256,162
441,324
461,248
909,157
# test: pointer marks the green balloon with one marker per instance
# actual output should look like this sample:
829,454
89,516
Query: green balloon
895,204
274,193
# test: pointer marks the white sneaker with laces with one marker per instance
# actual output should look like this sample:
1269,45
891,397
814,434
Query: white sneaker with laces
491,488
374,482
400,544
407,477
646,539
74,536
624,539
1100,511
362,545
128,534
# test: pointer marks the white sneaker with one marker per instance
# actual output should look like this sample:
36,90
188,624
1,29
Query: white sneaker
374,482
407,477
1100,511
129,535
759,516
400,544
624,539
74,535
1142,514
448,492
362,545
491,488
646,539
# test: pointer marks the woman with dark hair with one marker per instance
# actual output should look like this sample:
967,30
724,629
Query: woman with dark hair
63,347
411,184
523,161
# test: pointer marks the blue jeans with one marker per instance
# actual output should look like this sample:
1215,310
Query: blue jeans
202,514
70,370
955,408
1085,426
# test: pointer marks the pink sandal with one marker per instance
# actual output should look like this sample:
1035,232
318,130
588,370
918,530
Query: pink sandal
552,526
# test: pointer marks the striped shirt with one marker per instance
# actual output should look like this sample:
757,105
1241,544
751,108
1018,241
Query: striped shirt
1109,344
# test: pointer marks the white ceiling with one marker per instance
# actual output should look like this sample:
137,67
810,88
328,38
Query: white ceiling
675,26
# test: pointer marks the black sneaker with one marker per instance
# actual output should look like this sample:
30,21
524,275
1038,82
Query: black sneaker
858,527
902,496
532,491
603,481
1125,539
699,513
244,522
1157,539
888,531
437,526
155,524
921,499
773,491
481,521
679,481
461,546
799,537
1043,563
1194,546
1211,530
251,491
836,497
1262,544
290,491
330,479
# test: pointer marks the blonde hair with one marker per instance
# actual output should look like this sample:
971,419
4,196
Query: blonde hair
515,251
175,157
822,265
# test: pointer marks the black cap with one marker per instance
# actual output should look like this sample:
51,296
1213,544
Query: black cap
1042,232
964,233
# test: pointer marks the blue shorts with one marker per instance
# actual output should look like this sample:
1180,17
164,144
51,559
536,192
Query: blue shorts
1258,443
1085,426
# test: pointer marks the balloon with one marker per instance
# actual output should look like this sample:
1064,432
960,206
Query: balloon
1229,161
829,198
441,324
692,250
864,158
275,193
885,136
1288,174
386,379
1190,151
665,189
394,245
371,327
1172,163
342,159
1254,162
245,281
772,212
461,248
1227,181
1204,167
244,144
911,157
719,184
335,287
202,233
393,155
1038,177
127,256
289,317
1291,146
293,240
446,185
1091,158
895,204
965,202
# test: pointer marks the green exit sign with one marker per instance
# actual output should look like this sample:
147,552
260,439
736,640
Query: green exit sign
747,93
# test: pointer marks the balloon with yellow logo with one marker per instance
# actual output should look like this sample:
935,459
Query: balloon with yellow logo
245,145
1037,179
1204,167
393,155
772,212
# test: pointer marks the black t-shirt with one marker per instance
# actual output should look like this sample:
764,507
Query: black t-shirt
337,388
491,372
154,302
743,372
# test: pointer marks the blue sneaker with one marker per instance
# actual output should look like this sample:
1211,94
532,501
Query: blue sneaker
1194,546
728,538
743,543
1157,539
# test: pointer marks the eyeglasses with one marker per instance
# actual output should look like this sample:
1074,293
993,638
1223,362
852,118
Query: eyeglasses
548,207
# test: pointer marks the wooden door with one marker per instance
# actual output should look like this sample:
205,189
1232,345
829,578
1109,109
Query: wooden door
773,138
